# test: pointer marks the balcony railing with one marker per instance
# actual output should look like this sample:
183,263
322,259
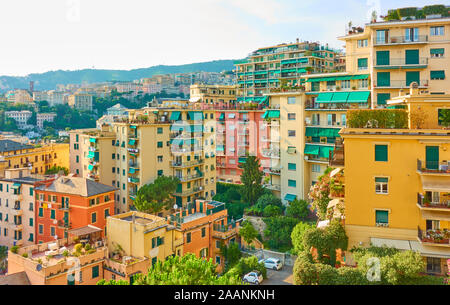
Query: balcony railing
398,62
190,177
423,203
400,83
434,237
275,187
189,192
271,153
433,167
401,40
187,163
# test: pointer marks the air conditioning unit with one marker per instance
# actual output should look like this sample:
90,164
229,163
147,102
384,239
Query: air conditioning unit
98,243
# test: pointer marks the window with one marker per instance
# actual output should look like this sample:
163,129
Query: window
41,212
381,185
160,144
291,116
381,153
52,214
433,265
412,34
291,133
95,272
383,79
292,166
437,53
94,217
363,43
217,259
106,213
41,229
440,74
345,84
362,63
382,98
363,83
315,168
382,36
160,172
441,115
203,232
437,31
188,237
331,119
343,119
217,244
292,100
160,130
381,217
52,231
292,183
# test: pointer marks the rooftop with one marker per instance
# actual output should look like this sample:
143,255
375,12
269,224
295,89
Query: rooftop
9,145
76,186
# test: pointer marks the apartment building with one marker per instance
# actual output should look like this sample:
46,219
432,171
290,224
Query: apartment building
136,241
399,52
17,212
182,144
61,261
44,117
39,158
80,101
21,117
281,65
205,227
19,96
397,182
70,202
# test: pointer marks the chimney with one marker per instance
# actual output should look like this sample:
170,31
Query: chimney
298,40
414,88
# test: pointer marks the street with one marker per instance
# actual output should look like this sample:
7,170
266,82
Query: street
282,277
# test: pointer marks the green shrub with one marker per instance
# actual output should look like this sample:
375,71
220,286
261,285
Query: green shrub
14,249
435,9
407,11
378,118
25,255
248,264
271,211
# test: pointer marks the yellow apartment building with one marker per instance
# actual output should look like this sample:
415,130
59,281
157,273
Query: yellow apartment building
397,182
39,158
399,52
137,241
213,95
170,140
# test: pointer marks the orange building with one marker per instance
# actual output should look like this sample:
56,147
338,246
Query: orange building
205,226
71,202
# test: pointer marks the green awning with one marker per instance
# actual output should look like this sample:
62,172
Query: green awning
325,151
301,70
133,126
91,154
312,80
311,149
322,132
291,150
264,100
312,132
92,140
290,197
358,97
290,61
362,76
340,97
219,148
288,70
324,97
343,77
242,160
381,179
175,116
271,114
131,170
260,72
437,74
16,186
437,51
196,128
222,116
90,167
131,142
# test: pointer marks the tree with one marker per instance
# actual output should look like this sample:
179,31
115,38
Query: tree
278,232
153,197
297,235
56,169
444,117
264,201
185,270
231,253
246,265
248,232
271,211
251,178
298,209
3,256
320,193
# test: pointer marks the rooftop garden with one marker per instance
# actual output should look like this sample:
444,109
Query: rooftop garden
411,13
378,118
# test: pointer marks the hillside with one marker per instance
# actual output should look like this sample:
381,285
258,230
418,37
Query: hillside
49,80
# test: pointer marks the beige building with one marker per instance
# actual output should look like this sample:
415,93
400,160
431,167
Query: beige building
81,101
21,117
44,117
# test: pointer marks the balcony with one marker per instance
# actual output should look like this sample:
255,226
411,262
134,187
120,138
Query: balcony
395,40
133,150
17,212
272,187
423,83
189,192
18,242
401,63
224,232
64,224
133,180
18,226
180,164
336,159
190,177
273,171
438,238
434,210
271,153
433,167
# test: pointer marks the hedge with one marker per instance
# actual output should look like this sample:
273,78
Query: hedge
379,118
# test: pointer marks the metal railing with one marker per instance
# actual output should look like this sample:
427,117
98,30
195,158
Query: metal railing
433,167
401,40
401,83
402,62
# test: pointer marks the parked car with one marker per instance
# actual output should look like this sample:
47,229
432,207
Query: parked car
272,263
254,277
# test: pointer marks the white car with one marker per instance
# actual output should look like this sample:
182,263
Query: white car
272,263
254,277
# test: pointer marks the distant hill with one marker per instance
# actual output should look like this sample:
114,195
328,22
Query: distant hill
49,80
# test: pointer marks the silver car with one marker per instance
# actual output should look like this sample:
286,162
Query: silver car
272,263
254,277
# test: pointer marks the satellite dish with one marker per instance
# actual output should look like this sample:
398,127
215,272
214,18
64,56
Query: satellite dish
175,206
38,267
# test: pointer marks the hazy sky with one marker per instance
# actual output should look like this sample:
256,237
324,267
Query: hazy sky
43,35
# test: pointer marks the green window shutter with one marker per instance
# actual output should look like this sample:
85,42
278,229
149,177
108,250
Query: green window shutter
160,144
31,191
412,76
381,153
382,58
292,166
412,57
381,216
432,157
93,217
41,212
437,74
383,79
154,260
95,271
382,98
52,214
153,242
362,63
160,130
292,183
31,222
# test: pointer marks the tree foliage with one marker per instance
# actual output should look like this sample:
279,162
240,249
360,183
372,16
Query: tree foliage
251,178
278,232
56,169
231,253
248,232
297,235
320,194
298,209
444,117
266,200
153,197
185,270
246,265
